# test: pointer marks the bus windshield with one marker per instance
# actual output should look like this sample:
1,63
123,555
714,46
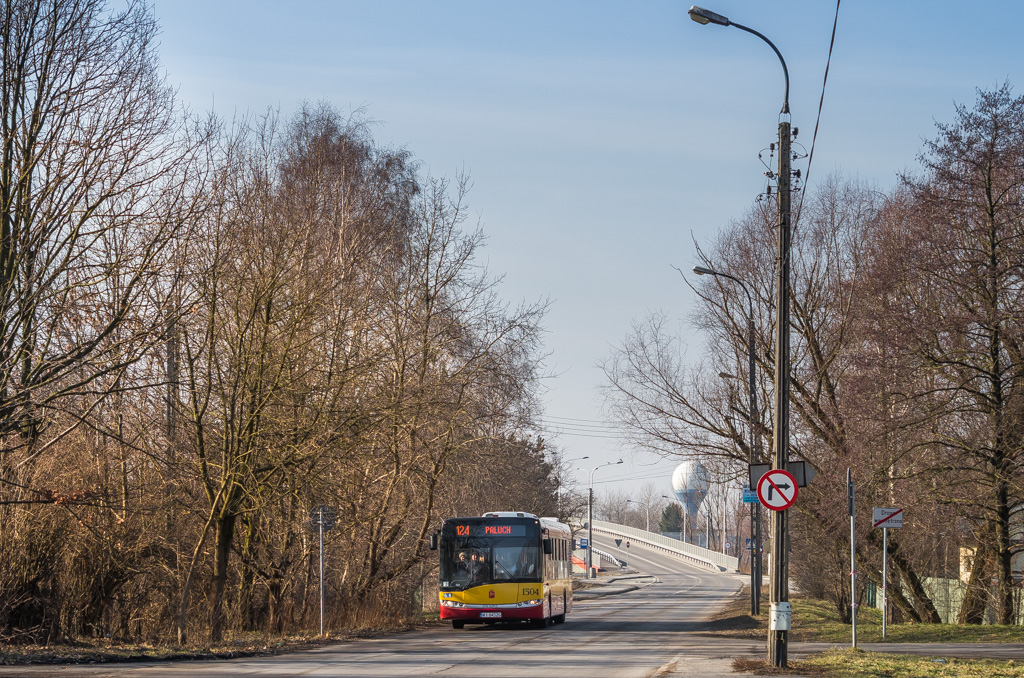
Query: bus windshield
472,561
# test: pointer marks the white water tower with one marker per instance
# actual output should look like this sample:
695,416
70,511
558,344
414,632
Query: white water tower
690,482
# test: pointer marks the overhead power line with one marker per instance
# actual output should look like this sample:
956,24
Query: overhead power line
821,103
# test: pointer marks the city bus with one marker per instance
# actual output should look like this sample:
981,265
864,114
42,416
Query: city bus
505,566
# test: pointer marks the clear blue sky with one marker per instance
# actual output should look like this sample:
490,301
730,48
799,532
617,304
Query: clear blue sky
602,138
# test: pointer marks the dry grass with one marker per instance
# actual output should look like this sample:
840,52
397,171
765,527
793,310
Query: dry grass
105,651
817,621
735,621
761,667
102,651
858,664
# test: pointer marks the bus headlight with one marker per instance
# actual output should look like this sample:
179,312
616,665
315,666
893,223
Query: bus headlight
530,603
452,603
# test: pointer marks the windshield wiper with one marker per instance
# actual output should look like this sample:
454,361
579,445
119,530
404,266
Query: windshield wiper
511,576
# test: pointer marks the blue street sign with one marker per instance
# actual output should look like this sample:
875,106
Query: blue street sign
750,496
584,543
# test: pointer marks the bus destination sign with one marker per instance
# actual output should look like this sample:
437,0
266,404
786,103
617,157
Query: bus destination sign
489,530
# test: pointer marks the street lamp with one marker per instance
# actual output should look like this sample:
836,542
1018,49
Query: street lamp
754,454
779,590
590,519
646,506
705,17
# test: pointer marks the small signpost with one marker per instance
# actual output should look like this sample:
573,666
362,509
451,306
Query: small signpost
584,543
322,519
886,518
853,557
777,490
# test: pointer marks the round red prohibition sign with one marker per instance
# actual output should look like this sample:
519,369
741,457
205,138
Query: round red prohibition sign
777,490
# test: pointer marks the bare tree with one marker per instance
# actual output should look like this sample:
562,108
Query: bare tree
949,272
96,171
684,410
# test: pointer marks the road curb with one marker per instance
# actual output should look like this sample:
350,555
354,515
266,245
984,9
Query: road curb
608,587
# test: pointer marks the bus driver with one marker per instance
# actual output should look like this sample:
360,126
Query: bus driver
525,567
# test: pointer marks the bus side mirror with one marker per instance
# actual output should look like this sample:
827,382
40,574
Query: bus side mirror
433,542
548,547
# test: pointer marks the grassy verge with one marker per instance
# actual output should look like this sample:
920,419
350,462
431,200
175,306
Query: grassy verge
103,651
100,651
818,621
858,664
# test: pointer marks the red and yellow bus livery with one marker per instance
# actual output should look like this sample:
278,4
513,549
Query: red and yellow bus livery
504,567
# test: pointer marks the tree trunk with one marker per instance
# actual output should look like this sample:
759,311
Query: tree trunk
895,594
925,608
225,532
1004,556
972,609
248,618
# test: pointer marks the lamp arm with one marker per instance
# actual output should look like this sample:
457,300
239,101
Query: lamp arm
785,71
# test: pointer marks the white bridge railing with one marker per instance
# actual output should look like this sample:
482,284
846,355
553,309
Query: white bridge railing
695,554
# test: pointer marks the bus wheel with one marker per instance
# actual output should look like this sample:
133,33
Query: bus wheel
458,624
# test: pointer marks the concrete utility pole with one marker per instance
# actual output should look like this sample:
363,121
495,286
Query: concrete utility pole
778,638
779,586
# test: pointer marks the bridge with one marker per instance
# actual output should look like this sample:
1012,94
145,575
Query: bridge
691,553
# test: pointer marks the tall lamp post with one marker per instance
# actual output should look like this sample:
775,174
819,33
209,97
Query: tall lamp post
779,590
590,519
647,507
755,439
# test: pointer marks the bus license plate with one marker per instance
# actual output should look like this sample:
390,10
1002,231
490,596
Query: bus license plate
490,614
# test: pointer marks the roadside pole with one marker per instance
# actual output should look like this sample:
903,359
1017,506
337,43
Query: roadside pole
777,489
853,559
886,518
321,524
322,518
885,578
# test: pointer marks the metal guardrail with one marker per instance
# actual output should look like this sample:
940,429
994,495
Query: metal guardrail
605,554
696,554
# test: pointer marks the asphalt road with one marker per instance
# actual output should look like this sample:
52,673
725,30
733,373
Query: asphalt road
635,635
